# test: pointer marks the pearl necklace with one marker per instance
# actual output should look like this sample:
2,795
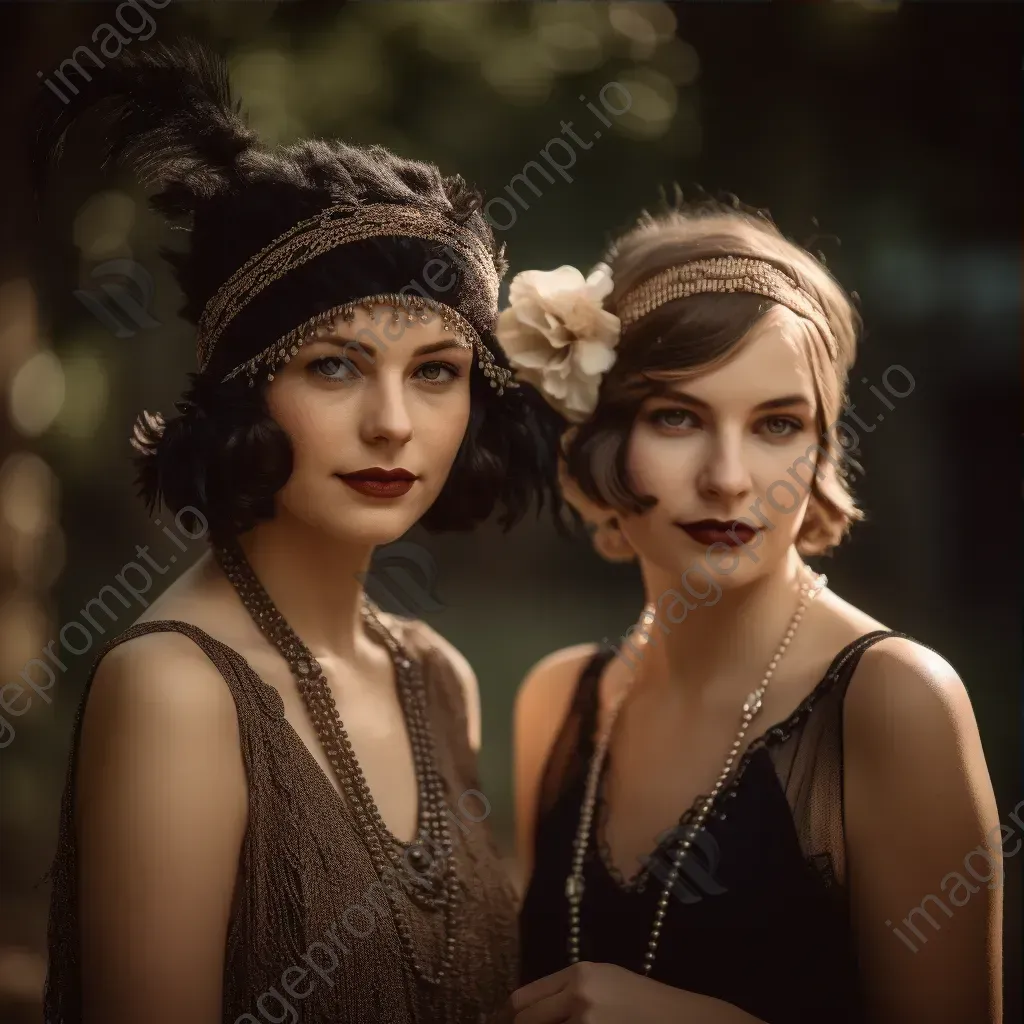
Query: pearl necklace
574,883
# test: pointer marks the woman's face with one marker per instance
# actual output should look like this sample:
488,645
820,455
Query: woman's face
377,398
725,456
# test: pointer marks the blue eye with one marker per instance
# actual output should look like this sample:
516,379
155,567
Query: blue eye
334,368
438,373
672,418
781,426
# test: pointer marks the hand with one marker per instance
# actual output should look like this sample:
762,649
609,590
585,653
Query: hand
588,993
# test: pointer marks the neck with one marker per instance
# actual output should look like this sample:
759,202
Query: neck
730,634
314,581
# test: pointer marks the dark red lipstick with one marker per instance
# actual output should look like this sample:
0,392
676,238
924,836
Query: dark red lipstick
380,483
720,531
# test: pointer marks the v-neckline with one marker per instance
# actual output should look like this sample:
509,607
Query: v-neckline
774,734
420,783
304,753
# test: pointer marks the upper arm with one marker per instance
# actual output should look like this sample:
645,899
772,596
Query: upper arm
541,706
924,841
160,814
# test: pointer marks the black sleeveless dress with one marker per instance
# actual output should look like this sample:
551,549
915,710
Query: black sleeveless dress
760,917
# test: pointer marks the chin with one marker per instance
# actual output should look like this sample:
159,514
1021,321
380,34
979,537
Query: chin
358,523
704,572
372,526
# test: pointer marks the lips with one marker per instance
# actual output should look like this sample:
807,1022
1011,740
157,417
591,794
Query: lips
720,531
379,483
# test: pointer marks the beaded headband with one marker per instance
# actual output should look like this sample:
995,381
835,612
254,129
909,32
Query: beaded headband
333,227
416,309
560,338
724,274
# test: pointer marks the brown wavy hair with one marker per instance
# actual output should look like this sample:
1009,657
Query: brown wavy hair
689,336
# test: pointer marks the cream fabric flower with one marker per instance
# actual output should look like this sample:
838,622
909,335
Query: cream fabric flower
558,335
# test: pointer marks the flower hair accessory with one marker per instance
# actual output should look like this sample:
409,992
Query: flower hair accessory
559,337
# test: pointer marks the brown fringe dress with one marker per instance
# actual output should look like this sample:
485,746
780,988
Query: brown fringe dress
303,865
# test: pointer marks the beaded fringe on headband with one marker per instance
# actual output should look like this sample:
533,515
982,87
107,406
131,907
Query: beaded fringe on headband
724,274
416,309
334,227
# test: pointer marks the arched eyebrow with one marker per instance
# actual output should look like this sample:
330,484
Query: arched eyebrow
783,402
440,346
345,343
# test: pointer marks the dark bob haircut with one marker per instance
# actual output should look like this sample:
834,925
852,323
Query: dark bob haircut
177,125
224,455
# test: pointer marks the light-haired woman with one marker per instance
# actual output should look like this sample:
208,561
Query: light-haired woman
738,813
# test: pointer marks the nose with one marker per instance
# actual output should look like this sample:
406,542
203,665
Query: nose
385,413
724,477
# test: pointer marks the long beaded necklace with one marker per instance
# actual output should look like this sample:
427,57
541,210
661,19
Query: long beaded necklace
428,858
574,883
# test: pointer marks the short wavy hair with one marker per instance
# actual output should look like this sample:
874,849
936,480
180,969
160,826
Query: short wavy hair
694,334
177,125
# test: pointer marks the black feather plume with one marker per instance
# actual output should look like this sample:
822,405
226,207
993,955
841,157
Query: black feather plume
172,120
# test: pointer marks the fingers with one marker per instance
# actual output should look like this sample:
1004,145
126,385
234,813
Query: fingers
553,1009
542,988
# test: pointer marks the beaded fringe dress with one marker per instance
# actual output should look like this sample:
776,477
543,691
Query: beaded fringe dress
304,866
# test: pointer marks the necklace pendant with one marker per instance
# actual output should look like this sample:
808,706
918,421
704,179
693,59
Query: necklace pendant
574,888
753,702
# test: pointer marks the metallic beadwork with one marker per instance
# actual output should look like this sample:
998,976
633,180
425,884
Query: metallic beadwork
574,884
322,324
724,274
436,886
336,226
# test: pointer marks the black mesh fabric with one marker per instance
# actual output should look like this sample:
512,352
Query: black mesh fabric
760,917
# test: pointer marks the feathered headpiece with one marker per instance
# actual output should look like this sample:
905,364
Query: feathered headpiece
283,241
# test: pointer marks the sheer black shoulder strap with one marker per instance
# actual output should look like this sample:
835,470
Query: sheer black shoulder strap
807,751
570,753
845,662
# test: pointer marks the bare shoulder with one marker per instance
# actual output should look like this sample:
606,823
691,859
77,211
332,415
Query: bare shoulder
901,694
161,675
903,691
547,689
161,808
541,707
422,637
916,783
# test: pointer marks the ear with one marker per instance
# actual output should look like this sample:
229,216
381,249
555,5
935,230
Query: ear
610,542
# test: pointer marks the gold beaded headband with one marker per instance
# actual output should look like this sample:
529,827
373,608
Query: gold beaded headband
417,310
725,274
333,227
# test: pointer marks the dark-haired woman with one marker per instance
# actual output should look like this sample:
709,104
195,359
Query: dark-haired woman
272,811
738,813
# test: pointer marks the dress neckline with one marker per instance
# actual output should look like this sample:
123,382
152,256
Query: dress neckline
275,706
773,735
